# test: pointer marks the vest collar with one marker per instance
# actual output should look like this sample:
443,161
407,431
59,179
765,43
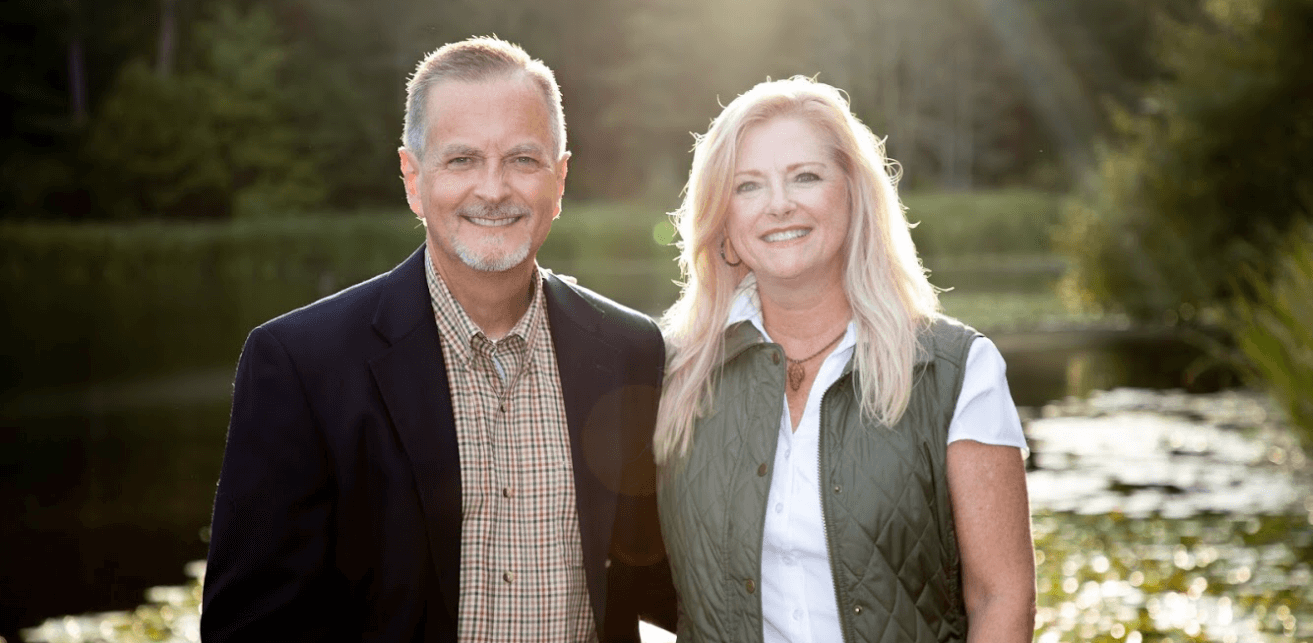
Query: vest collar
739,336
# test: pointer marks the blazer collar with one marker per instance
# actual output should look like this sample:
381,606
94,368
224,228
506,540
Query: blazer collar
564,303
587,364
404,305
412,380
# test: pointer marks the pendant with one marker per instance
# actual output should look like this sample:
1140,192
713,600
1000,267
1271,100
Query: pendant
796,374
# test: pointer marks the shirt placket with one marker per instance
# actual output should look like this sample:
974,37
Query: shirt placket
479,470
506,570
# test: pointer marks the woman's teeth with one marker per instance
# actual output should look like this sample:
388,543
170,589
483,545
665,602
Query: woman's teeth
786,235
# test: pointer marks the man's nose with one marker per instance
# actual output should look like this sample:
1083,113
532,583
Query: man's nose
493,186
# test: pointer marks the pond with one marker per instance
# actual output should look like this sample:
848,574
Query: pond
1158,515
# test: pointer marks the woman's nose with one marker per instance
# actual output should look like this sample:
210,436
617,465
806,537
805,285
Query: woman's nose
781,203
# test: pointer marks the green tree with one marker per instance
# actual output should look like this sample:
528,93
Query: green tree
212,139
1212,171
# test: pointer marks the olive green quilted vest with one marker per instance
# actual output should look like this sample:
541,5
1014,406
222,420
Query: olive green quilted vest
889,526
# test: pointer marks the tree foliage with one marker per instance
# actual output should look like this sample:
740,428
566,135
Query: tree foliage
213,138
1210,173
291,103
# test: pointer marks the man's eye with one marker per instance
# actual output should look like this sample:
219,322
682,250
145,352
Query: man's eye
526,161
459,160
746,186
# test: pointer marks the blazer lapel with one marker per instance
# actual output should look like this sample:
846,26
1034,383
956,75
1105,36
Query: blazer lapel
587,368
412,379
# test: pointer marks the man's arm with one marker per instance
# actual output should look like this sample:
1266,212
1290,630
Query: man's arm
639,577
266,576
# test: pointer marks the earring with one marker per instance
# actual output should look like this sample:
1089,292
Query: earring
726,259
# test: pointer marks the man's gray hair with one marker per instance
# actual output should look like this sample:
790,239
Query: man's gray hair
476,60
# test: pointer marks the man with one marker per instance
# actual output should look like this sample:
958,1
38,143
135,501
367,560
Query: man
458,449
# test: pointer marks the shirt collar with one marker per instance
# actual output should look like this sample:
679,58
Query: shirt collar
746,307
453,322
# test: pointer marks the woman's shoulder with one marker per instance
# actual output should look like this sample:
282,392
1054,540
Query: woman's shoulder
946,338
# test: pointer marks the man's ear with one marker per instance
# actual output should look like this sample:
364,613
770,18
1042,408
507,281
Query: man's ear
562,168
410,169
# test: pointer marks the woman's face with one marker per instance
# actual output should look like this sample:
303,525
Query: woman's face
788,209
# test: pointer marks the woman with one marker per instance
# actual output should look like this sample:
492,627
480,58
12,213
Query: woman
839,462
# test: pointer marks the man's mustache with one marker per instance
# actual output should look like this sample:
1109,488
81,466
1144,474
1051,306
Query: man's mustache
481,210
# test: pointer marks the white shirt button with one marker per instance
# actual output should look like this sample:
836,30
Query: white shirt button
790,560
779,506
797,615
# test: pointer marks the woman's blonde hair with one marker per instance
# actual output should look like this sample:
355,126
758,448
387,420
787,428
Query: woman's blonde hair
884,281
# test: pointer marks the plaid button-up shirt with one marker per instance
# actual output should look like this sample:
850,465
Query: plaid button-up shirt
521,558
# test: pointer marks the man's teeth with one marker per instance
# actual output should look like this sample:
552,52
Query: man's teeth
787,234
493,223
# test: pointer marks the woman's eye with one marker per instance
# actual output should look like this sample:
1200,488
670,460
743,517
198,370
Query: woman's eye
807,177
746,186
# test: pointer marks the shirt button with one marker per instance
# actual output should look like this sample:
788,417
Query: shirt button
761,470
775,357
857,610
750,586
797,615
838,489
788,452
789,560
508,577
503,407
506,492
779,507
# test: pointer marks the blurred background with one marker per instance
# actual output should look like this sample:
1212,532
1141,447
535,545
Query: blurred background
1118,192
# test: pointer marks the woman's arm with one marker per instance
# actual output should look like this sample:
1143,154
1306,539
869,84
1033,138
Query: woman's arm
991,510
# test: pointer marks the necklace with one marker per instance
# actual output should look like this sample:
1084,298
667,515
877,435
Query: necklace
797,372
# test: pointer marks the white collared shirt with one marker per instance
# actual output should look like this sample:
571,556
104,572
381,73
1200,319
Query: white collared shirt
797,586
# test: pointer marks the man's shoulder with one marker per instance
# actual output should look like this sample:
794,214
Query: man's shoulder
586,306
348,307
352,310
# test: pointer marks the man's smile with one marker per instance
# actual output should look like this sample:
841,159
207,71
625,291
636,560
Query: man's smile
493,223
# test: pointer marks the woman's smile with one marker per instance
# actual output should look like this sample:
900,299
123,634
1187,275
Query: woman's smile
786,235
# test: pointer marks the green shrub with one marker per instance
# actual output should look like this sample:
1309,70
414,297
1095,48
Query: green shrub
1211,172
1273,331
94,302
987,222
106,301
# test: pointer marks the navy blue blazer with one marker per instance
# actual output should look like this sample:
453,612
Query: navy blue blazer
338,510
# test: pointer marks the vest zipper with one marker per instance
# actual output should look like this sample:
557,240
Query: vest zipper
844,624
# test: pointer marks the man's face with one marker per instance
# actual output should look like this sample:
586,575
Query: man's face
490,182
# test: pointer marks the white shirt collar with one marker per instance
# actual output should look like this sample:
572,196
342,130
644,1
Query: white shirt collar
747,307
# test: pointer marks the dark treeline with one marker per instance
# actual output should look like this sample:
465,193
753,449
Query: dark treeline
124,109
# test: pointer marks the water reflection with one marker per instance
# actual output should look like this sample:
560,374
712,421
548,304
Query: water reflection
1170,517
1159,517
1138,453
